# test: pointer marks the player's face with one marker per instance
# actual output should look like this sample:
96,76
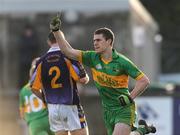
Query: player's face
100,43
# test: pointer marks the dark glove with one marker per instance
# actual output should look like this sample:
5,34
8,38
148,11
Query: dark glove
82,72
55,23
125,100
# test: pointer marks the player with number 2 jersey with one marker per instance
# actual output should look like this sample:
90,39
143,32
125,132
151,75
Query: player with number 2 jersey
57,76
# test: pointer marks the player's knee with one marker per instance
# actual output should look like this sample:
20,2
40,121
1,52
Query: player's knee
83,131
61,133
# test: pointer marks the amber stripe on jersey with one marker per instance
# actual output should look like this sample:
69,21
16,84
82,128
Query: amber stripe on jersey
106,80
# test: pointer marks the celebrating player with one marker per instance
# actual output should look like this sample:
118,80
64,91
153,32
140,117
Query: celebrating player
111,71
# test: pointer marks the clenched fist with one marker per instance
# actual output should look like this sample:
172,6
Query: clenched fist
55,23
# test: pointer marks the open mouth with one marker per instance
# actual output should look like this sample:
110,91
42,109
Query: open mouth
96,48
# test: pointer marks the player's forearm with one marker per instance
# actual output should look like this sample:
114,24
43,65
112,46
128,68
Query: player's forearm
22,113
140,87
64,45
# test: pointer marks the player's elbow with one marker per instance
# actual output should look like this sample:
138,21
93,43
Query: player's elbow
84,80
145,80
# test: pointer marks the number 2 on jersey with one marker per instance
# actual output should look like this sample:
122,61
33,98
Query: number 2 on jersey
54,83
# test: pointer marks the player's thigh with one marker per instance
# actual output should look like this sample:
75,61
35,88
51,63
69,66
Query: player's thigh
126,115
61,133
83,131
33,130
38,131
121,129
43,133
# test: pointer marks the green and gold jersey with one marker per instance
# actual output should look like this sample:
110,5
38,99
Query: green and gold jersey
111,78
30,105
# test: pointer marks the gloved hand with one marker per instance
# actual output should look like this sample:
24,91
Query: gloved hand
55,23
125,100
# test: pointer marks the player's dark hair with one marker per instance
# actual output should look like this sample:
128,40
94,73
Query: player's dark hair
106,32
51,37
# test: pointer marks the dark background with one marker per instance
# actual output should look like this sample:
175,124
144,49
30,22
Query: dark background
166,13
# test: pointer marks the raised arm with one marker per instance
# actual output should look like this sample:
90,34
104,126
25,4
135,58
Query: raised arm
63,43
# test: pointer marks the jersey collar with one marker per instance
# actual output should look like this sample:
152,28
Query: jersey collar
54,48
114,54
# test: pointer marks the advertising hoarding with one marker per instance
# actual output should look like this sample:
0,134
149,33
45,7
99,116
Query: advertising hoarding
158,111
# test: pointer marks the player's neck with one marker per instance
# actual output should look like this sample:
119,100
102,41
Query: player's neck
54,45
107,55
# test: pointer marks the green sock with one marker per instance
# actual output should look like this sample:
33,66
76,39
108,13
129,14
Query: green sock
142,130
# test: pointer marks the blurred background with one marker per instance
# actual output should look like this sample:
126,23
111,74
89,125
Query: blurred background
146,31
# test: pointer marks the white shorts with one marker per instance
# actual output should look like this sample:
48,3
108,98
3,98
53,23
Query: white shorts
66,117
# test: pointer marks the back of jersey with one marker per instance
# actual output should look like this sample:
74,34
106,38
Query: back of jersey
56,80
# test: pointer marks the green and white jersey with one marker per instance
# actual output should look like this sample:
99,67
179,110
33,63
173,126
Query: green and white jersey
111,78
31,106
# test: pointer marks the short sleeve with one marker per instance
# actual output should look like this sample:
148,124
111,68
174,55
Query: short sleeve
132,70
73,71
36,84
86,58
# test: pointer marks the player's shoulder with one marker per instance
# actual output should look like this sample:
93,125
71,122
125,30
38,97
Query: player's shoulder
89,52
92,54
52,55
71,60
25,88
121,58
42,57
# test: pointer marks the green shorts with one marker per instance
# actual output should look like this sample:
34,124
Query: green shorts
126,114
40,127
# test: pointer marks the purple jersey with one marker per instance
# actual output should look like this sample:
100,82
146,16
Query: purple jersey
56,76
